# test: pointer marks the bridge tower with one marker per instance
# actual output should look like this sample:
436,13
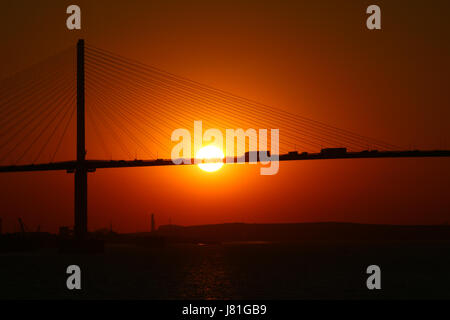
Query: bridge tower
80,227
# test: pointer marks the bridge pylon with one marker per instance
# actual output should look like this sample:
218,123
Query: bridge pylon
80,207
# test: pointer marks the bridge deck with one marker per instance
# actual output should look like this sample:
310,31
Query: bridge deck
92,165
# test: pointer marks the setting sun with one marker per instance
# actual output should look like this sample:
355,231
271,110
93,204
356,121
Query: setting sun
213,155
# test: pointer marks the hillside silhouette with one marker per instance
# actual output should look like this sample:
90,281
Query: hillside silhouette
324,232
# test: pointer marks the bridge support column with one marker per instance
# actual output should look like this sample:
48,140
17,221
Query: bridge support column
81,171
80,228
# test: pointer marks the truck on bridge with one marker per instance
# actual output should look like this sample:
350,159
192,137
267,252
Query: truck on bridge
333,152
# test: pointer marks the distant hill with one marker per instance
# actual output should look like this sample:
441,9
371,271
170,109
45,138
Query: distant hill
307,232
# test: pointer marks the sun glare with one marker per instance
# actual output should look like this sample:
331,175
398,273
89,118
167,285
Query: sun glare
210,153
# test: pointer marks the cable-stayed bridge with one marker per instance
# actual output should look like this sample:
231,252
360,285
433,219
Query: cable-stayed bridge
128,110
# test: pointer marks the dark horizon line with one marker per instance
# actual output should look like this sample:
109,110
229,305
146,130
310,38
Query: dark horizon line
265,224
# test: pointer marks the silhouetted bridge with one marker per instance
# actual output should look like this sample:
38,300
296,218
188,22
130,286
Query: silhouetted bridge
39,103
92,165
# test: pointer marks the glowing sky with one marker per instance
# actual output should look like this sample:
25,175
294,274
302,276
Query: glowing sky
313,58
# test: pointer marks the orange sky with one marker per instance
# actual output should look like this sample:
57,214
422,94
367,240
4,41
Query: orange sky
316,59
